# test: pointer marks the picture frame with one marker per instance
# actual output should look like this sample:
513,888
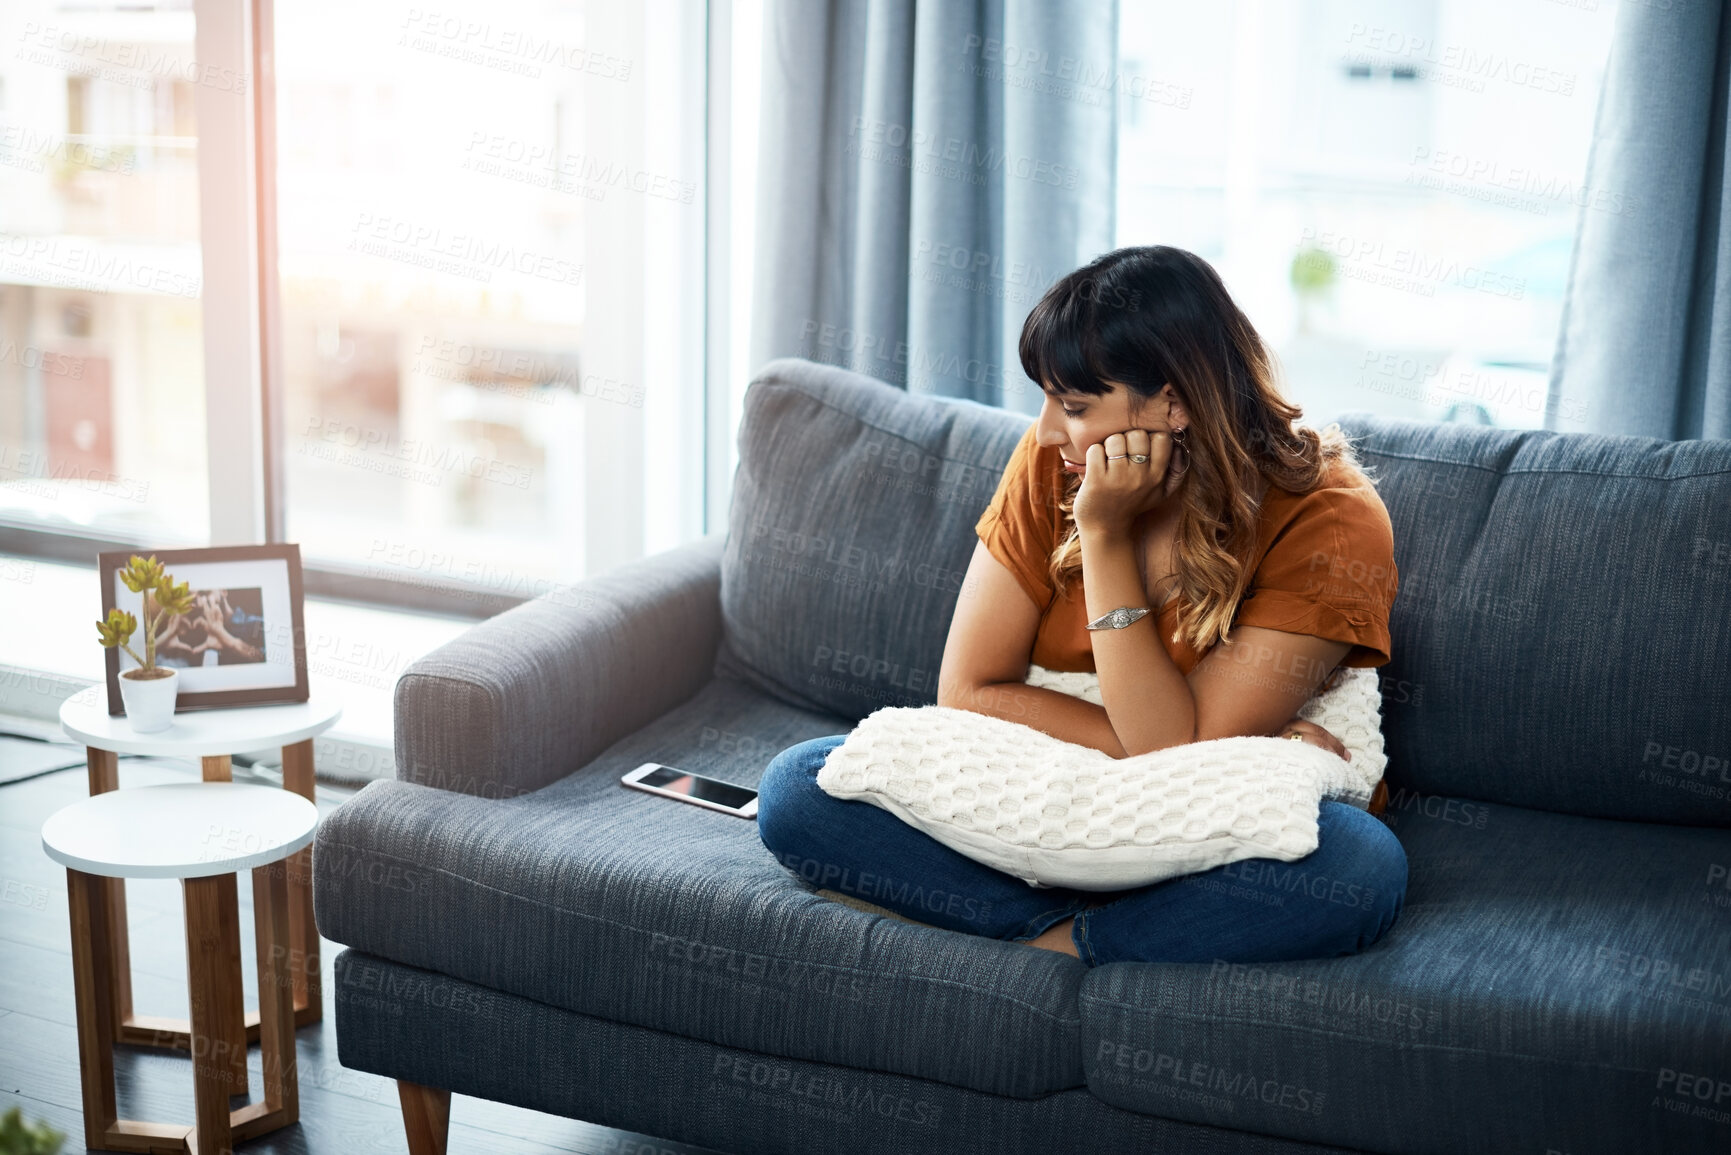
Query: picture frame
252,594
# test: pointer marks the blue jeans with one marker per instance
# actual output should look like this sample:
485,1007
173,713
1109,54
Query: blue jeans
1335,901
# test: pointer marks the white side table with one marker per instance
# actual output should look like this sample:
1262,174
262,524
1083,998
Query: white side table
200,833
211,736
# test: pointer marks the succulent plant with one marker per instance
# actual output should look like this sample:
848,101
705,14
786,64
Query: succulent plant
147,577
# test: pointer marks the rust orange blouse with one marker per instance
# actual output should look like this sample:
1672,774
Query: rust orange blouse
1324,566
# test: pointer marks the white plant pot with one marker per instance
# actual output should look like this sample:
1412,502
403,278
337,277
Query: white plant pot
150,703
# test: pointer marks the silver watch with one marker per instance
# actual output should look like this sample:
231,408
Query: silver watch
1117,619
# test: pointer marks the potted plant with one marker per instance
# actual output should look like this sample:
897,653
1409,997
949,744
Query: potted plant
147,692
1314,272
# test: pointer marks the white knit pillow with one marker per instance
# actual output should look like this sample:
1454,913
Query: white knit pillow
1351,710
1055,813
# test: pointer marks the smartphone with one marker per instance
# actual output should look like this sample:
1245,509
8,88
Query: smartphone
672,782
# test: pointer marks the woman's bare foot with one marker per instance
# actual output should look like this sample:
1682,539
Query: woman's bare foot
1057,937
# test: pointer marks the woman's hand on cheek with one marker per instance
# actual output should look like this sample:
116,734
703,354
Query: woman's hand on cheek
1115,493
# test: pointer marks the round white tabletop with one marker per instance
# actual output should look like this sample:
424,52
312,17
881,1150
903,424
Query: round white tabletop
196,733
183,830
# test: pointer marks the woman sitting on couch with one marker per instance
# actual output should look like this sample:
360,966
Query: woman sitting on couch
1164,476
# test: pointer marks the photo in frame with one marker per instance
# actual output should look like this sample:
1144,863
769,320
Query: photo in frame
242,644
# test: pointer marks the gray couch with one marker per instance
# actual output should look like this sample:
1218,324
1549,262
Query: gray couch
521,928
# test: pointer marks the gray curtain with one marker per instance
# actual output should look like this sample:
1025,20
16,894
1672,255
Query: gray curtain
1645,343
926,171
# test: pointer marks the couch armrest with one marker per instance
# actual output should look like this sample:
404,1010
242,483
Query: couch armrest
530,695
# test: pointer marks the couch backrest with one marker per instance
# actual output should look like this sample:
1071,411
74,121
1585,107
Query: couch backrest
850,529
1561,635
1562,631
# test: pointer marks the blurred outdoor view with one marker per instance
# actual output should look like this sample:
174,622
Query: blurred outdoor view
101,354
491,225
1390,188
490,253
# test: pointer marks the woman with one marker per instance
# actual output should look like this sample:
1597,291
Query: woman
1164,468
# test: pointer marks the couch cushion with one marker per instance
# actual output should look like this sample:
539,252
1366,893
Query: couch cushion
851,527
1563,619
612,902
1576,970
438,1031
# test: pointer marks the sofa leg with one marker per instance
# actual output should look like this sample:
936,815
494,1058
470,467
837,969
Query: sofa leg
426,1117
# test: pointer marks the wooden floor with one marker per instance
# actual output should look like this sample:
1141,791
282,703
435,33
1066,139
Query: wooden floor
342,1111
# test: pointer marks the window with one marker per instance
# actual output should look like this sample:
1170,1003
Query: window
102,400
1390,189
491,269
450,293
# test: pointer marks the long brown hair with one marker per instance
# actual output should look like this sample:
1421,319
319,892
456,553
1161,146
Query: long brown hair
1147,316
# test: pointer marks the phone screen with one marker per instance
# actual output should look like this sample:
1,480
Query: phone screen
706,789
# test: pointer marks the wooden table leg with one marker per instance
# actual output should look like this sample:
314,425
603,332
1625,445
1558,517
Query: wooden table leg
104,770
276,1009
229,1045
213,993
281,1105
228,1023
103,767
92,985
297,775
